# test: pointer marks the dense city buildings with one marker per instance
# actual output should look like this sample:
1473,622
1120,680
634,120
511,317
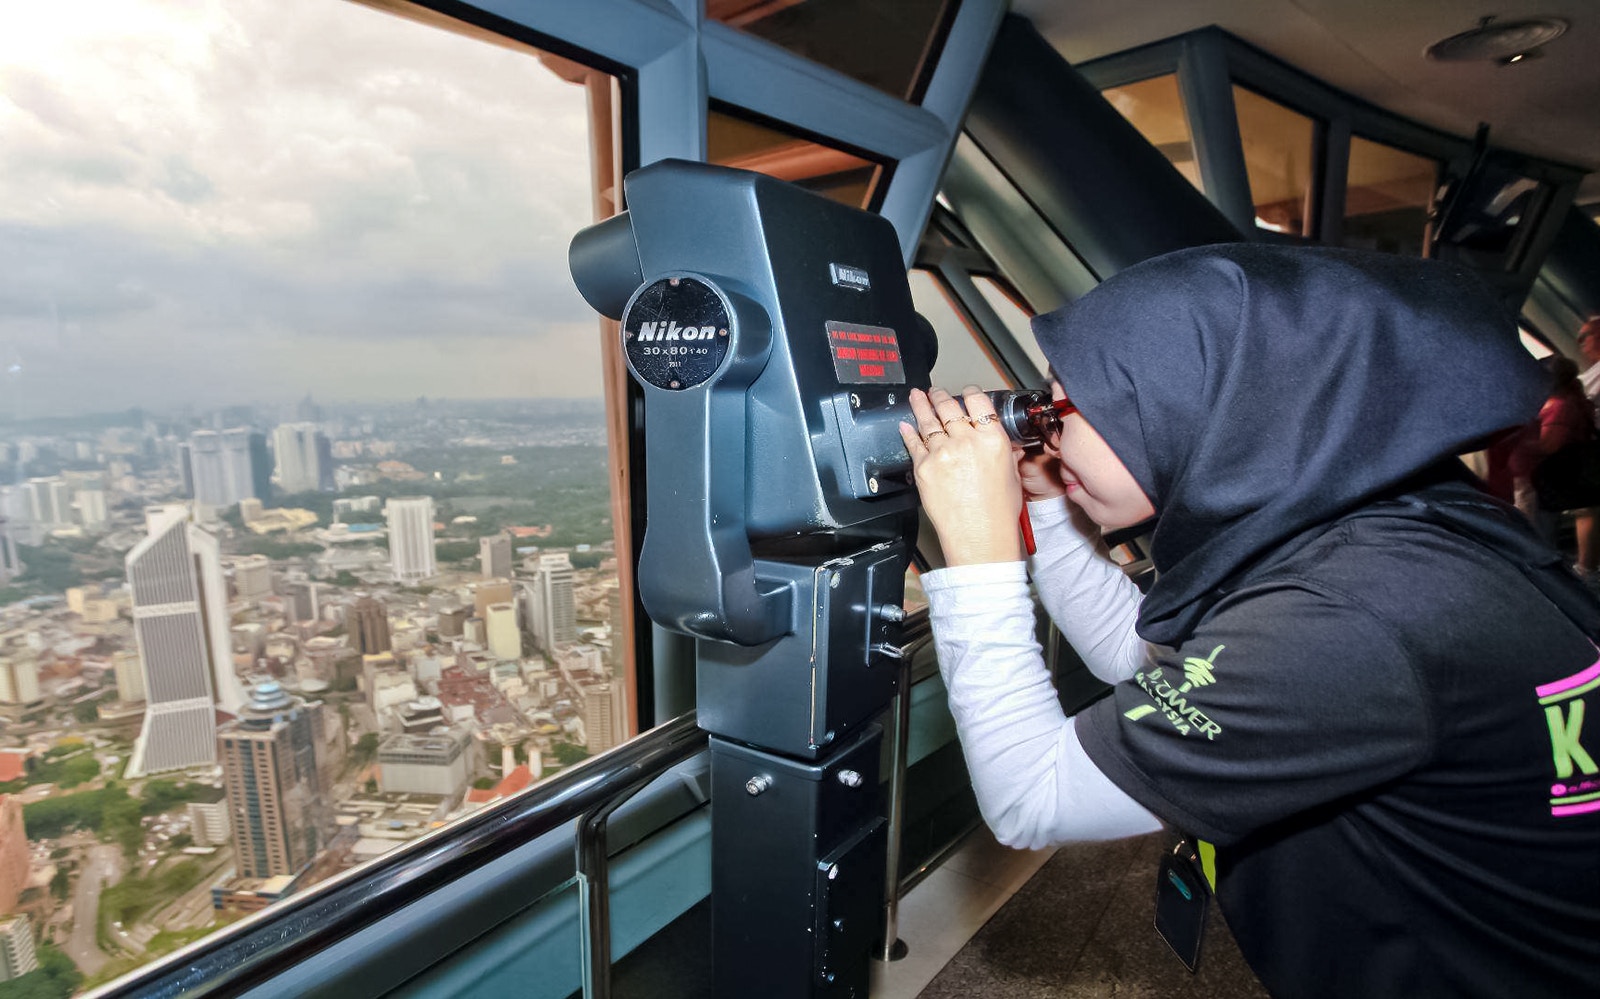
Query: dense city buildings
180,622
270,771
128,654
411,545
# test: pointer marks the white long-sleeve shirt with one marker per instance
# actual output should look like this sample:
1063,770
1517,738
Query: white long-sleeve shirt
1035,785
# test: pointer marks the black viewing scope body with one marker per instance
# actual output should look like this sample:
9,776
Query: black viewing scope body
1026,414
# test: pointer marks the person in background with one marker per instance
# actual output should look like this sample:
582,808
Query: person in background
1356,674
1586,523
1567,417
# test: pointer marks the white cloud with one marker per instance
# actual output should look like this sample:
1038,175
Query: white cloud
205,200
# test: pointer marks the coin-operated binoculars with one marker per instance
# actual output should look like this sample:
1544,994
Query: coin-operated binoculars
773,334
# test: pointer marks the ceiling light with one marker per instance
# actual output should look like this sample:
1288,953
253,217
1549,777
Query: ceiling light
1504,42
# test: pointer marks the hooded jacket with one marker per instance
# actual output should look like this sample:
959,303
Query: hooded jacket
1257,391
1369,680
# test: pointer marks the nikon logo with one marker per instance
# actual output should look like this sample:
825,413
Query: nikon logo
854,278
672,331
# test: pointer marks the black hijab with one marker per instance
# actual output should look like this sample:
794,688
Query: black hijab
1256,392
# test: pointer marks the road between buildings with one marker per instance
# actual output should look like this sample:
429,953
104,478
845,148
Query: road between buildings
102,865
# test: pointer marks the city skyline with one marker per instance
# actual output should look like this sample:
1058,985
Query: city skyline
192,218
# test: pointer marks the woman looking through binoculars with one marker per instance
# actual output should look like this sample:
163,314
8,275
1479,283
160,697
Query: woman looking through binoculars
1356,675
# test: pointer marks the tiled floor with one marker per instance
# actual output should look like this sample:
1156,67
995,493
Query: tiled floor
1074,923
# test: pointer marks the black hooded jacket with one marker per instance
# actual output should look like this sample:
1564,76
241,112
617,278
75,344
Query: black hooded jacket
1370,679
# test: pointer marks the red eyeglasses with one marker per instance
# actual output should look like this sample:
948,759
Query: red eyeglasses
1044,420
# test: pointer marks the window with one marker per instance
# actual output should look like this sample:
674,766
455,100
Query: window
289,316
890,45
962,359
738,142
1155,107
1019,322
1279,145
1387,197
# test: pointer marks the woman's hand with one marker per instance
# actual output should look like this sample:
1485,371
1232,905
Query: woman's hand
1040,472
966,474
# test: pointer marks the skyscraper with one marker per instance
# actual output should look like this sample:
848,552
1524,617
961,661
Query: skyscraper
227,466
504,637
49,501
494,556
91,507
299,457
10,566
269,769
15,863
604,724
369,627
557,614
180,624
411,538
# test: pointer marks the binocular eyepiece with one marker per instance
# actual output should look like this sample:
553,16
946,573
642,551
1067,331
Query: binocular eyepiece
1028,415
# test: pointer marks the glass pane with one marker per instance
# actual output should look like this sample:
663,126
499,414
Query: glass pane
1387,197
1155,107
738,142
1278,149
962,359
890,45
307,530
1017,320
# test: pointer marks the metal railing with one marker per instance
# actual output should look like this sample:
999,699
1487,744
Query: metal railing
271,942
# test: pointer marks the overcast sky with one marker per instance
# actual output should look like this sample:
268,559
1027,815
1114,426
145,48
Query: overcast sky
218,201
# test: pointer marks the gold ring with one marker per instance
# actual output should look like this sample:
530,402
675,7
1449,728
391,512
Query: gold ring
985,420
932,432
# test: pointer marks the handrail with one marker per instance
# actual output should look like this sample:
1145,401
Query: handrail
274,940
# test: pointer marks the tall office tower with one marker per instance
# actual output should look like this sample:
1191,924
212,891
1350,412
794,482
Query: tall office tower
180,624
494,556
504,637
260,468
604,724
227,466
17,956
92,511
252,577
49,501
15,863
411,538
186,468
303,602
19,680
325,479
130,678
557,611
299,463
308,411
269,768
369,627
10,565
